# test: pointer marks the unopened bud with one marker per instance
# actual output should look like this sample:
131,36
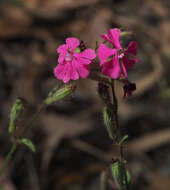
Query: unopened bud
128,88
16,111
103,91
59,94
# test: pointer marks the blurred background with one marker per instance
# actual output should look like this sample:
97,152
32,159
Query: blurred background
71,141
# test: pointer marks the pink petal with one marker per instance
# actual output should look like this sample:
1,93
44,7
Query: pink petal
127,62
63,72
83,70
75,74
63,49
68,73
61,58
88,54
106,37
104,53
72,43
114,35
112,68
83,61
132,48
59,71
124,70
136,60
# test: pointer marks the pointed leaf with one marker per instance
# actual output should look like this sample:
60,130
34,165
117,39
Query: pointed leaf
28,143
123,139
15,113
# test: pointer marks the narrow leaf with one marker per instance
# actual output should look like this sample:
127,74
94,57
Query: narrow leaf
28,143
15,113
123,139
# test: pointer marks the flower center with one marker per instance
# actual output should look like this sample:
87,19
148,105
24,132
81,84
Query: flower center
68,57
121,55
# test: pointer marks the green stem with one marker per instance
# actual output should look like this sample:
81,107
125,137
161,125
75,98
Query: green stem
8,158
115,109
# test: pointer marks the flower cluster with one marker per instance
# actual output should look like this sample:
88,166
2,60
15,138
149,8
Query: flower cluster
73,62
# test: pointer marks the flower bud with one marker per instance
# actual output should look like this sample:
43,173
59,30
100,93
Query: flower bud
16,111
107,116
128,88
103,91
59,94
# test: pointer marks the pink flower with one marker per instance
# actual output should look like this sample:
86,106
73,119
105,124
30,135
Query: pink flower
109,61
71,62
113,37
109,58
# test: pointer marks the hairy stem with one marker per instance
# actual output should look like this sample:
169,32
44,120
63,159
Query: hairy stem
118,133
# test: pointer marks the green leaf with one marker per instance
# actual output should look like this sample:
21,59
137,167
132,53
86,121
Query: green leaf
28,143
107,117
116,173
16,111
119,175
123,139
128,177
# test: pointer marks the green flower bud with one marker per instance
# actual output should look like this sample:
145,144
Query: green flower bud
107,116
16,111
59,94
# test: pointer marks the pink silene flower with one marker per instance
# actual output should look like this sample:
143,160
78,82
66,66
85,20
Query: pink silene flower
109,58
72,63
